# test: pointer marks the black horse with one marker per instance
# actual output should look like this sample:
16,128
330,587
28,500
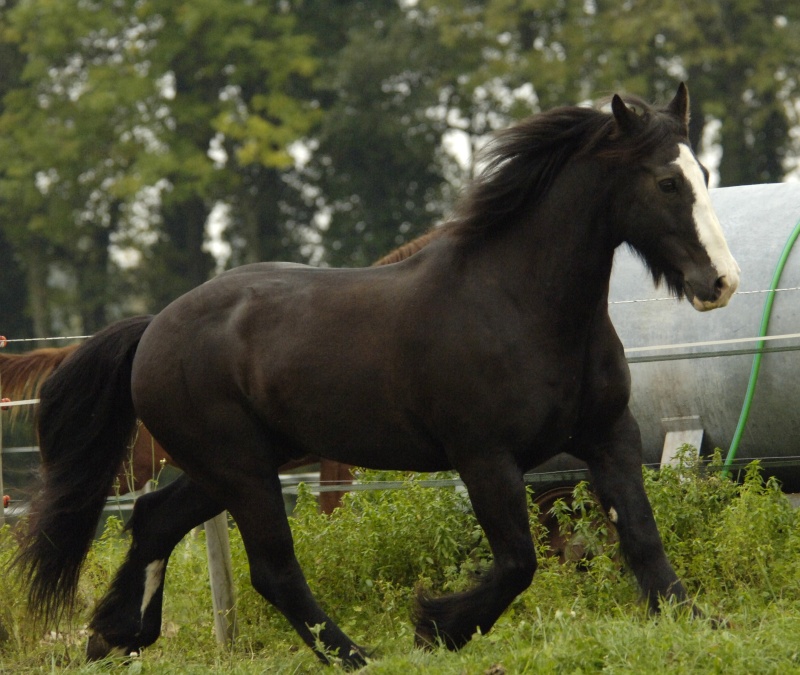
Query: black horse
488,352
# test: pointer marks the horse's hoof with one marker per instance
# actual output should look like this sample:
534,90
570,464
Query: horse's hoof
719,623
425,637
357,658
98,648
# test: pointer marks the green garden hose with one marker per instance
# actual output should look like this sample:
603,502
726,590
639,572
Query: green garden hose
751,385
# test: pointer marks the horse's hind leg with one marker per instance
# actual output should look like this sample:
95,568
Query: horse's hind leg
497,492
129,615
275,573
616,469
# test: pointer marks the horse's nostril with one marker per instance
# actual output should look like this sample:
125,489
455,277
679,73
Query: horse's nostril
720,285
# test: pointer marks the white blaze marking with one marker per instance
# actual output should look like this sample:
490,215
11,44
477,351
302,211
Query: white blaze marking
709,230
154,574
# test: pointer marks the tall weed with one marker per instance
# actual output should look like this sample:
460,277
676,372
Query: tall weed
726,539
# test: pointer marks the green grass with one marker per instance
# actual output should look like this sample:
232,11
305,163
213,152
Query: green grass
736,546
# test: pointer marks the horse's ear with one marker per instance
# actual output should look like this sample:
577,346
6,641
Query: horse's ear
627,119
679,106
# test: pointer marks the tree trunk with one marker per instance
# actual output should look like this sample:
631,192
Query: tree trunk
36,279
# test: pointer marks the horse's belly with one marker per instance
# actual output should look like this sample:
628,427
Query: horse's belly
351,422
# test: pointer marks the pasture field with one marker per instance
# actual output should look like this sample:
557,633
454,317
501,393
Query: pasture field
736,546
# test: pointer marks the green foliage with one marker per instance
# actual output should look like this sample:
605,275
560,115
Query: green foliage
600,577
109,111
735,545
105,136
376,165
726,539
14,627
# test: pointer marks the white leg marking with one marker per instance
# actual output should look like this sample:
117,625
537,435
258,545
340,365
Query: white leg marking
154,575
709,230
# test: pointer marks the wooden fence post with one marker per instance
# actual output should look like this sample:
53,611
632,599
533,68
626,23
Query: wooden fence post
220,573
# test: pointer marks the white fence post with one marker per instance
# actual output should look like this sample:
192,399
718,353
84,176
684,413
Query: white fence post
220,573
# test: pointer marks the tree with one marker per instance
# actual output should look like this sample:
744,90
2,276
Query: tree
15,321
739,58
246,89
322,130
48,169
374,161
116,100
377,174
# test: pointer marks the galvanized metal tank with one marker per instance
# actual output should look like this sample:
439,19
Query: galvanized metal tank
677,384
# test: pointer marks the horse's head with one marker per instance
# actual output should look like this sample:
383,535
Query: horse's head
664,208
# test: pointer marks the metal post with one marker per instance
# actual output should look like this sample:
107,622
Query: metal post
680,431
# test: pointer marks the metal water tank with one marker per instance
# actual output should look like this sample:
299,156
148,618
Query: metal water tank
689,376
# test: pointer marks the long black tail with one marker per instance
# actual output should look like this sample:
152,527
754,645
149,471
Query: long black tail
85,421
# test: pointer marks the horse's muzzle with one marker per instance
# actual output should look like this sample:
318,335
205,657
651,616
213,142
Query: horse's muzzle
706,296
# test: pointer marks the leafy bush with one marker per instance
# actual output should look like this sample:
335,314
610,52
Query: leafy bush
726,539
735,545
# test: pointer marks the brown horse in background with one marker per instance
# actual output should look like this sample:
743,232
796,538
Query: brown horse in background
410,248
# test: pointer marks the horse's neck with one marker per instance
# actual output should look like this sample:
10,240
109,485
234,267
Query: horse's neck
562,250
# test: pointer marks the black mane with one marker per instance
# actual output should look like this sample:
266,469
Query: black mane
522,161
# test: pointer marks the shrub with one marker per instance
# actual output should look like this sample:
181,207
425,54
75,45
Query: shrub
725,538
735,545
370,555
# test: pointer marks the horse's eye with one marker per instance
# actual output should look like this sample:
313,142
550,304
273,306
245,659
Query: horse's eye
668,185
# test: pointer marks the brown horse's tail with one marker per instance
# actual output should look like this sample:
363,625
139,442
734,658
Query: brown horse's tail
21,375
85,420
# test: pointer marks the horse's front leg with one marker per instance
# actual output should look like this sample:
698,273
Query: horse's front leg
616,469
497,491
